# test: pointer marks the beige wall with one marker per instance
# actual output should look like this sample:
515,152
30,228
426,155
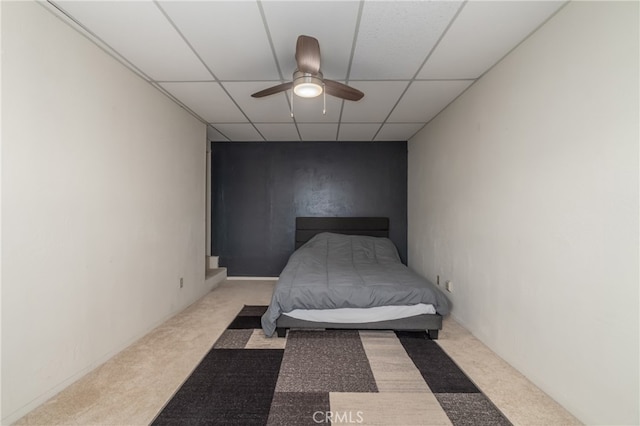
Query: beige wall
103,207
524,193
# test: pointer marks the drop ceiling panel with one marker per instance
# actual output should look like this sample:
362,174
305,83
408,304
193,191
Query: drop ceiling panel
215,136
332,23
208,100
358,131
395,37
239,132
398,131
270,108
379,98
228,35
278,132
318,131
482,34
424,99
139,32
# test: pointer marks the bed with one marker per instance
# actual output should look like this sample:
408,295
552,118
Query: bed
348,266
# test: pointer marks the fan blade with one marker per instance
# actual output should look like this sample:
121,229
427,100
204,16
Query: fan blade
273,90
308,54
343,91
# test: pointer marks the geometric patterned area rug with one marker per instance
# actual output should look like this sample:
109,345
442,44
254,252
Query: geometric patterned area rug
327,377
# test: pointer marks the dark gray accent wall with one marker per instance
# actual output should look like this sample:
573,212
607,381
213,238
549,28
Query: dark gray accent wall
259,188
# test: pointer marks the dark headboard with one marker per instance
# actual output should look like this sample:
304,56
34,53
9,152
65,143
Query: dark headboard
307,227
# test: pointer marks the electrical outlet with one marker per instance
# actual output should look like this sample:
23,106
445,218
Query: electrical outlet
449,286
181,282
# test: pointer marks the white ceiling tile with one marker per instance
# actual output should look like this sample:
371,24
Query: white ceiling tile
214,135
398,131
424,99
140,33
278,132
206,99
228,35
270,108
309,110
395,37
318,131
238,132
379,98
482,34
358,131
332,23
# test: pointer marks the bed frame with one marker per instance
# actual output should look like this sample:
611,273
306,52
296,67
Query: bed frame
307,228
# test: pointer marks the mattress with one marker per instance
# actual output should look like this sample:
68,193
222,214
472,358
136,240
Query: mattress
361,315
335,271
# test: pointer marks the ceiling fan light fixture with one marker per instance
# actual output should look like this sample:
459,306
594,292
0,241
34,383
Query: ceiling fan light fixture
307,85
308,81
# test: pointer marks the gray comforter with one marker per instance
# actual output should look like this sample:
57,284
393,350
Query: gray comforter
346,271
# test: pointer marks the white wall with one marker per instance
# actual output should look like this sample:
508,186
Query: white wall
103,205
524,193
0,216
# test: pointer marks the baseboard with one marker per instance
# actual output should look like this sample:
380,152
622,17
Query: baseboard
252,278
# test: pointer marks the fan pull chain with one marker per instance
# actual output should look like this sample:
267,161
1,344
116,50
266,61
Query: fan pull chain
324,101
292,104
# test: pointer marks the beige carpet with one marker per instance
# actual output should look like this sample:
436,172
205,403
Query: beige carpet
132,387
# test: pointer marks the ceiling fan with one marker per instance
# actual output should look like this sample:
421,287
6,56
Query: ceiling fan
308,81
